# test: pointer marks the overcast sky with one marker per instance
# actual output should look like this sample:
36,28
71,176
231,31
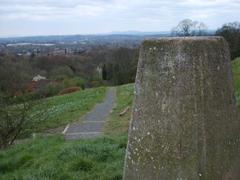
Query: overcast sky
57,17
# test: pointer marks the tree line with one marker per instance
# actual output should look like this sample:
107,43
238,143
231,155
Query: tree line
230,31
98,67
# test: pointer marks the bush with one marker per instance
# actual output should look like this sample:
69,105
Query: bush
96,83
69,90
15,118
77,81
51,89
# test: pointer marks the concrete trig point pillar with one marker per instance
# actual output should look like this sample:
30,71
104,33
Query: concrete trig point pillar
184,123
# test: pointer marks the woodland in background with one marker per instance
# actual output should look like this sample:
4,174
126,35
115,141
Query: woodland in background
60,74
231,32
19,93
101,66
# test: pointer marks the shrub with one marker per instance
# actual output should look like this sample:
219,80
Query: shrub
97,83
77,81
15,118
69,90
51,89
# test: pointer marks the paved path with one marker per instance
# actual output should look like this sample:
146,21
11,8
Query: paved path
93,122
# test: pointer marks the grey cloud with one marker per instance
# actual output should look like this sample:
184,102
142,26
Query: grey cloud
116,14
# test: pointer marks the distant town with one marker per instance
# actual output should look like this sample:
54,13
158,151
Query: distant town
71,44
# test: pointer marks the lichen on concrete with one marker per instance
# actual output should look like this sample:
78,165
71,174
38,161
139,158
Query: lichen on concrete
184,121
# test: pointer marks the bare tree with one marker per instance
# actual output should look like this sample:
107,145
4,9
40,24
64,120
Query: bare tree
16,117
187,27
201,29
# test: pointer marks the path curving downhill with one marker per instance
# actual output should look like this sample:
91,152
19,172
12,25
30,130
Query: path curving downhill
93,122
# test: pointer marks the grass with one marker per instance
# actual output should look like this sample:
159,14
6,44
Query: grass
54,158
118,125
61,110
236,78
101,158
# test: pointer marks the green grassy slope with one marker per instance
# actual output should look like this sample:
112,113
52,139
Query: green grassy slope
53,158
60,110
102,158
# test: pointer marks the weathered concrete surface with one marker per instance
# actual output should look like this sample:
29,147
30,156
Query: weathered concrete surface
184,123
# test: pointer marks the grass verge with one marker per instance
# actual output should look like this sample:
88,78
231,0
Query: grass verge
60,110
118,125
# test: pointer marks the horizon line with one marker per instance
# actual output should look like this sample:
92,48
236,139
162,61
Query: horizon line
130,32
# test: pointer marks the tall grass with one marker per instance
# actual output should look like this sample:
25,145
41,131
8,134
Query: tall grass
118,125
53,158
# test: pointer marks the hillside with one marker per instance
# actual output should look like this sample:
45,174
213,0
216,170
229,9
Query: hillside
60,110
100,158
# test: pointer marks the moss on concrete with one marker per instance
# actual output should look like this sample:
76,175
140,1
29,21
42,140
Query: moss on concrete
185,123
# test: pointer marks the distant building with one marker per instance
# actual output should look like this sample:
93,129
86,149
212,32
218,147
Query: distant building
38,83
38,78
99,71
